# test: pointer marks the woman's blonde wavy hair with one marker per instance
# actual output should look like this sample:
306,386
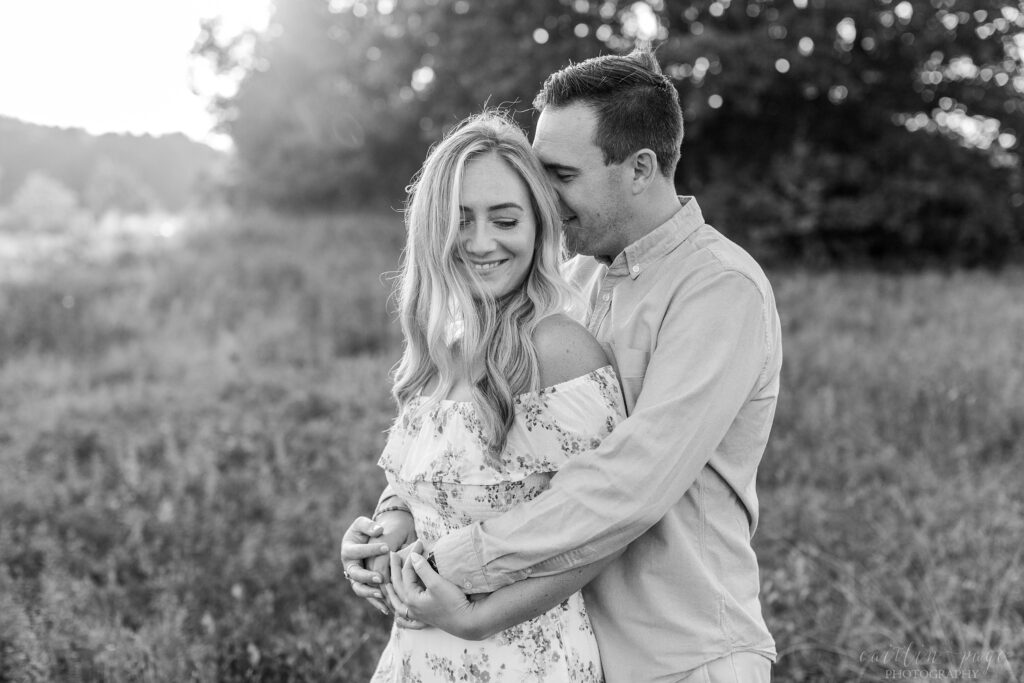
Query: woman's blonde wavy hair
452,328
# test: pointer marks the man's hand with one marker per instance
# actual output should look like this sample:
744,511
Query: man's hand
418,592
382,565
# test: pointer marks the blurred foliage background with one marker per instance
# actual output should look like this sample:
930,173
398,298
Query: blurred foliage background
195,347
827,131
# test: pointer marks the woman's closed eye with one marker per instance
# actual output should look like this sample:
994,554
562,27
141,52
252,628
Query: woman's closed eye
506,223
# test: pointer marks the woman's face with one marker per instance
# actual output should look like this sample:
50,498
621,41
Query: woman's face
498,230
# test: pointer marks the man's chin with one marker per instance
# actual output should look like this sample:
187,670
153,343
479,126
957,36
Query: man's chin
579,249
573,249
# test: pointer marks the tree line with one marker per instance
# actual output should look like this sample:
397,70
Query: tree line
820,131
46,173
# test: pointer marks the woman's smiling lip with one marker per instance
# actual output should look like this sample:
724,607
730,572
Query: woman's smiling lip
486,265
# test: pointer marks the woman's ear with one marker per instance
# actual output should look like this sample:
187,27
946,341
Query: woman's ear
645,168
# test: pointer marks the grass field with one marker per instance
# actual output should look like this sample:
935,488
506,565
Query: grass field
186,429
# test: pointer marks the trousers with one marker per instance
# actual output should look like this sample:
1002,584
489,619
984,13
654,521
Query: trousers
737,667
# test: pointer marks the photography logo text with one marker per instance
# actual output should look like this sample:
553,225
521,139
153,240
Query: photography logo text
911,661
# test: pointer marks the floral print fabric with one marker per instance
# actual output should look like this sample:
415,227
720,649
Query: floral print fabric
435,458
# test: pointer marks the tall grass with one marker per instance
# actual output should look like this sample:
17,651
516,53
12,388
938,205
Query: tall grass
891,487
183,440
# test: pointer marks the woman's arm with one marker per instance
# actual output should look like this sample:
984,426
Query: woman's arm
422,594
399,531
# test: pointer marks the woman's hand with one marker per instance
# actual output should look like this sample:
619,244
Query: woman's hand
358,546
364,553
418,592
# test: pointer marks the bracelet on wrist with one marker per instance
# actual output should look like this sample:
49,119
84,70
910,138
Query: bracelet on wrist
390,508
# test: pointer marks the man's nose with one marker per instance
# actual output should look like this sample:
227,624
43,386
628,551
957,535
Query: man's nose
563,208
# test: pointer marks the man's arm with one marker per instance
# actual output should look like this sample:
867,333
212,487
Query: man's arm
710,354
428,598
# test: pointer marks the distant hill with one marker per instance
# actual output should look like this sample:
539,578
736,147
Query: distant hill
171,167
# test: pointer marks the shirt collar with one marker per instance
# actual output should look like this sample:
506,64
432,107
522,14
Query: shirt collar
635,258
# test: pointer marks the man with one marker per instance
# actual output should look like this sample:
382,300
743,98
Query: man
689,321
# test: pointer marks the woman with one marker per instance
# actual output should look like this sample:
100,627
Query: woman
496,389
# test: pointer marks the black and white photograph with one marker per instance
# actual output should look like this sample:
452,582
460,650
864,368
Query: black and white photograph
496,341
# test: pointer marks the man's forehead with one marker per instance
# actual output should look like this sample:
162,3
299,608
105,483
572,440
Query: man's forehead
564,131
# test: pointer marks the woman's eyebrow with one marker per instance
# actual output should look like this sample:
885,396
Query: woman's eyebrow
496,207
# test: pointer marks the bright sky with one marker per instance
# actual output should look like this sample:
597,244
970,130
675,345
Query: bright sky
110,65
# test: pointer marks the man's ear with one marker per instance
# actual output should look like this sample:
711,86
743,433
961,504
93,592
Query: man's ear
645,168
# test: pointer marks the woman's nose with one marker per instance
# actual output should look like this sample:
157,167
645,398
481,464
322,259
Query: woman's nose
479,240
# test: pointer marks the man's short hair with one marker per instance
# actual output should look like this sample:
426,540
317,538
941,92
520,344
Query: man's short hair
637,106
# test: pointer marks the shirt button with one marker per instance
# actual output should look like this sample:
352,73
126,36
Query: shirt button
529,570
468,584
636,269
606,297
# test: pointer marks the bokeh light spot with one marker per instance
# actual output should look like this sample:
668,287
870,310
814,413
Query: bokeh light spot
847,31
422,78
904,12
837,94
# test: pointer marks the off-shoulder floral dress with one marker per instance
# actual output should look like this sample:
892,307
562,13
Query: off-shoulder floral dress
435,459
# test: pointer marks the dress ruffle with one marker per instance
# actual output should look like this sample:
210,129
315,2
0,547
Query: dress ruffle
443,441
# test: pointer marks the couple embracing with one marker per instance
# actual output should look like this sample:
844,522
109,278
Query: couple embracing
571,475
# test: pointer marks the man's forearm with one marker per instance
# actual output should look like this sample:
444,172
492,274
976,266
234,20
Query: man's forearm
527,599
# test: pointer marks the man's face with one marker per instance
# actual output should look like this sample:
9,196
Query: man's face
593,195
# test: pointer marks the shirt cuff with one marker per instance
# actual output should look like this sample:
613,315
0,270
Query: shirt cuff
458,561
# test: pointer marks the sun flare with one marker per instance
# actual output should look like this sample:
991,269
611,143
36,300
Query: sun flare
112,65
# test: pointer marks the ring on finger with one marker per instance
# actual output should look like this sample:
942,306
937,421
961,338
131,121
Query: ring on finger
348,571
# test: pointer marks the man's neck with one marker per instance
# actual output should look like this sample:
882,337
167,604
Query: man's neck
653,209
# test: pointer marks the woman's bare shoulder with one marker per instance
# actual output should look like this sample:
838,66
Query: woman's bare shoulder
565,350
